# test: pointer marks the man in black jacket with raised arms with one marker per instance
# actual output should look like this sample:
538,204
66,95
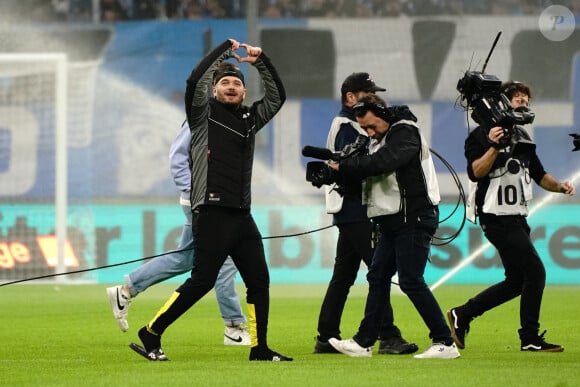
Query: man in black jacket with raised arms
223,134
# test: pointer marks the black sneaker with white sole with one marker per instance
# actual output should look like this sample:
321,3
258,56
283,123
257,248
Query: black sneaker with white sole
538,344
151,348
266,354
155,355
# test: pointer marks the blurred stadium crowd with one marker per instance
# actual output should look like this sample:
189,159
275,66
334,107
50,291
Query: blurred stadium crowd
124,10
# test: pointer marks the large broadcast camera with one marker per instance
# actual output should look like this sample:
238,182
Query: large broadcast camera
319,173
490,107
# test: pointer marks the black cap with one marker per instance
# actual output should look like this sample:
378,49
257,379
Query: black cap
359,82
226,69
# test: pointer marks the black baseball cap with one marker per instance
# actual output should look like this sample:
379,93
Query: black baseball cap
359,82
226,69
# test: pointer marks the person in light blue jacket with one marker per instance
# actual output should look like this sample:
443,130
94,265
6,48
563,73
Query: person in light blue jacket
180,260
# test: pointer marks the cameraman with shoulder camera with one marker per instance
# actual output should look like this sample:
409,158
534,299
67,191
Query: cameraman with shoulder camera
354,230
402,196
504,187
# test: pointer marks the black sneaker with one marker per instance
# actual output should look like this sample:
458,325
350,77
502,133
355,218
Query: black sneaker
151,348
266,354
323,347
537,344
459,325
155,355
397,346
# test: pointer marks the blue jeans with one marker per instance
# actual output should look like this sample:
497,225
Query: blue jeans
179,262
404,250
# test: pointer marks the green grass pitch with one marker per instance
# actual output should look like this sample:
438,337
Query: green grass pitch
65,335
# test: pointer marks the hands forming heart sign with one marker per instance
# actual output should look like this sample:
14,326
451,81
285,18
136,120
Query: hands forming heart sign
252,53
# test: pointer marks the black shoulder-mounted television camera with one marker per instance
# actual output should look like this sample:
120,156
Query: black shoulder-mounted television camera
481,93
490,107
318,172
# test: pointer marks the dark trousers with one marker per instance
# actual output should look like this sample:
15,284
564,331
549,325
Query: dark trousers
353,246
217,233
406,250
525,274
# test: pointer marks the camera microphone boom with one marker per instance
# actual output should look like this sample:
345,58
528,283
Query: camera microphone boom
318,172
490,52
357,147
320,153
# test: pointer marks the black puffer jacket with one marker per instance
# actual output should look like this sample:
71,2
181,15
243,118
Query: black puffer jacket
222,138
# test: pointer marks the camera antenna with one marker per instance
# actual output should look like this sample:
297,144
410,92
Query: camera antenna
490,52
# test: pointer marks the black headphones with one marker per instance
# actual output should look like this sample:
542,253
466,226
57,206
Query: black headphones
378,109
510,87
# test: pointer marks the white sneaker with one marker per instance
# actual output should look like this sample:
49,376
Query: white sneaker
120,304
350,348
236,335
439,351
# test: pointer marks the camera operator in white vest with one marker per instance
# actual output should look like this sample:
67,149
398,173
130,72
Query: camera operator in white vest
402,197
503,170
